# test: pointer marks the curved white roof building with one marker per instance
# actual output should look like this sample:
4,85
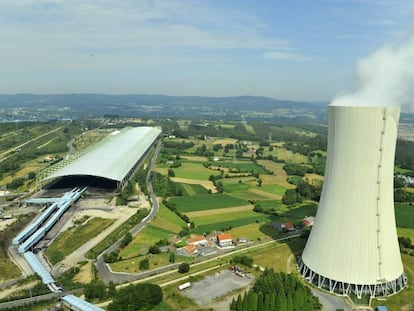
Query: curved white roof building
115,158
353,246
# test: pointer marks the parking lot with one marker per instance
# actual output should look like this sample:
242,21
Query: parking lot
214,286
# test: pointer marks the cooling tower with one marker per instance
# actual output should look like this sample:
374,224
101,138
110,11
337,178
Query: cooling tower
353,245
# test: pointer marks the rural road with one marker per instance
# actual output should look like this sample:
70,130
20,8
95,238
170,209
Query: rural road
104,271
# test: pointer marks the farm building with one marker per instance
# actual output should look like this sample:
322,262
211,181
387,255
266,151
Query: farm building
197,240
289,226
308,221
188,250
225,239
113,160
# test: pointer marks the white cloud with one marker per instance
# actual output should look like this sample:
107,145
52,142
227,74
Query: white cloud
132,24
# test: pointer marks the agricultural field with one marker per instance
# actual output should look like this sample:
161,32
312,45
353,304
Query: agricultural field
206,202
285,155
274,189
279,176
255,194
193,170
404,215
191,190
72,239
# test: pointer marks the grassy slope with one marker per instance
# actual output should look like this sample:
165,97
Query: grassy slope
164,225
75,237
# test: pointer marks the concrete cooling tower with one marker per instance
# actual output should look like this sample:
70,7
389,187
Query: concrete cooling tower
353,246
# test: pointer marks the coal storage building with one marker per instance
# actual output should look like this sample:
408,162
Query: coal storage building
109,163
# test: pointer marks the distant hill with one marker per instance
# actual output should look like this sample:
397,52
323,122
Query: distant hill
32,106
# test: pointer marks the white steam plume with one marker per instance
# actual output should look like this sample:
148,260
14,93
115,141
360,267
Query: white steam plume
386,78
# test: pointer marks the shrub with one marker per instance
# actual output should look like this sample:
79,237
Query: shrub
183,267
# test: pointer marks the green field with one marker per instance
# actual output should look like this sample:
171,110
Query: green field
235,222
205,202
234,187
268,204
301,211
407,233
404,214
209,219
295,180
251,194
194,170
274,189
190,190
74,238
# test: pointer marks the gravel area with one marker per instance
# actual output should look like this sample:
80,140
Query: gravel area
215,286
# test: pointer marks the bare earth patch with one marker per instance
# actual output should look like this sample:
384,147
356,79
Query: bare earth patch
85,274
220,211
205,183
226,141
6,222
15,288
313,178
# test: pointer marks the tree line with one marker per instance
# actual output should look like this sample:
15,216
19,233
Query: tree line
276,291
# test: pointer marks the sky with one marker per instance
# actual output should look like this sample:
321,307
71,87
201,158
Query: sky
297,50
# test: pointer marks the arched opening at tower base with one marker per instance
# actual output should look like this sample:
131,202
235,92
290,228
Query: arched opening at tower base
381,289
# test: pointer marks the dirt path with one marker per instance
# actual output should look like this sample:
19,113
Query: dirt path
46,143
220,211
289,264
205,183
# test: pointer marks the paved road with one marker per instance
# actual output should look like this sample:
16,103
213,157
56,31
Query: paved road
330,302
106,274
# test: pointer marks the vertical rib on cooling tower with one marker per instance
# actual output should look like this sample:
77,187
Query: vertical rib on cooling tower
353,246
